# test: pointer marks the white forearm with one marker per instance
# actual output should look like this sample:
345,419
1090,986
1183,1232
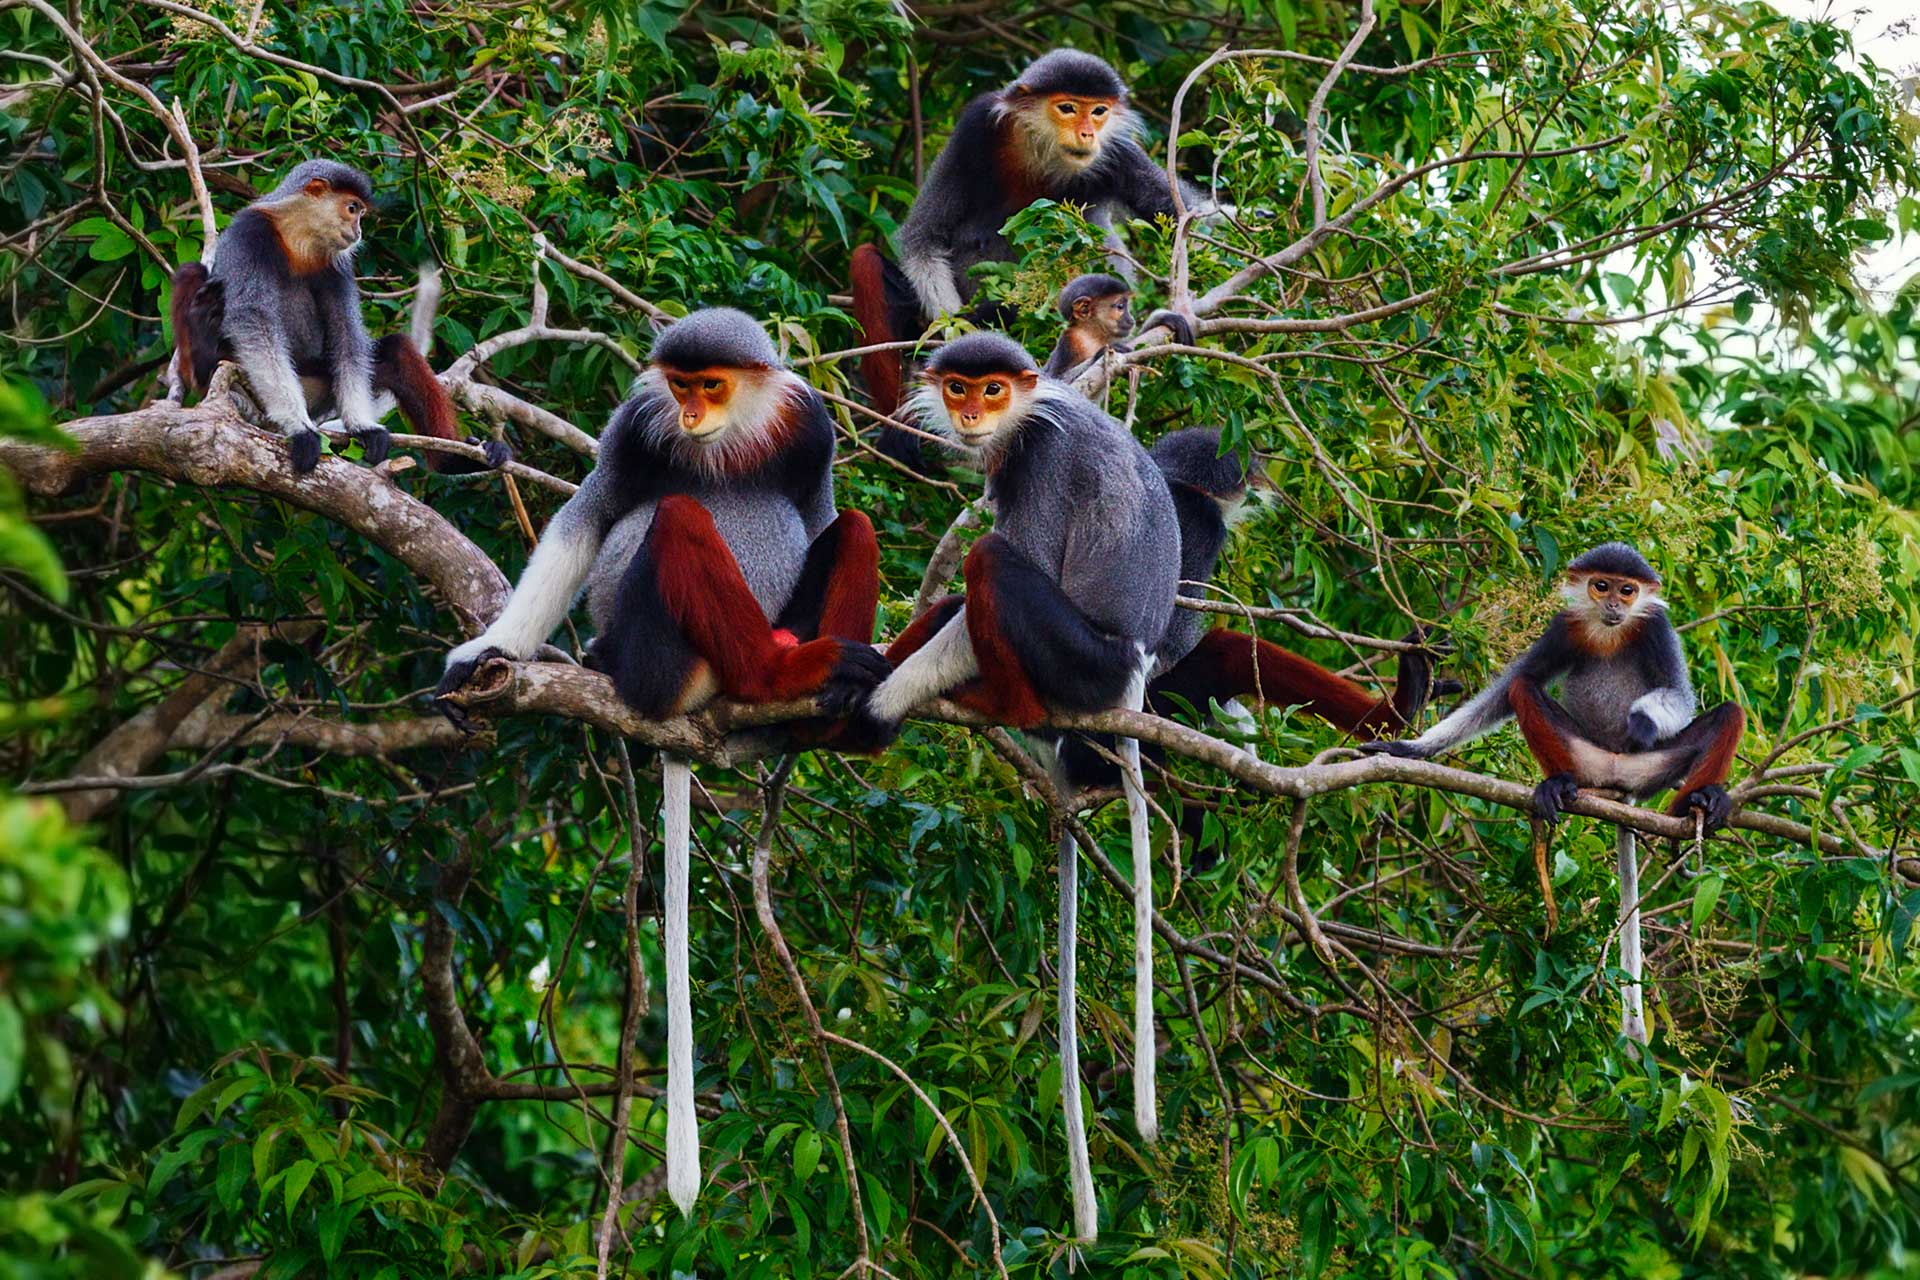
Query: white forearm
1671,710
277,387
932,278
353,393
1485,712
560,563
942,663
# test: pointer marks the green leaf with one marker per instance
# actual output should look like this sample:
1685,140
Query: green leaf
806,1155
1706,894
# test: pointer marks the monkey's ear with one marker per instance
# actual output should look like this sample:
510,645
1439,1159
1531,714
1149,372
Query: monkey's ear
318,186
1082,308
1026,379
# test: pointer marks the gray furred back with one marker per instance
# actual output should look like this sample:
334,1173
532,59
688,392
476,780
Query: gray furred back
1082,498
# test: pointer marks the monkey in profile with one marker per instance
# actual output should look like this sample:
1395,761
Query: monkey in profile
1625,718
282,303
1098,312
1062,131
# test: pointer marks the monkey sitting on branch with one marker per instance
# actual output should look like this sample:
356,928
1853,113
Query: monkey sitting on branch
715,564
1624,721
1062,131
282,303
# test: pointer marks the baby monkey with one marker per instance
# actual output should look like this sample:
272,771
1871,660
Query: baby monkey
1098,311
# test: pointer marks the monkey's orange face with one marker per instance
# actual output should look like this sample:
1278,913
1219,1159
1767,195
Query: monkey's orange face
979,407
1080,126
705,397
1611,600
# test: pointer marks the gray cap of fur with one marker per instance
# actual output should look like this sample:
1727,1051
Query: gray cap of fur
341,177
715,337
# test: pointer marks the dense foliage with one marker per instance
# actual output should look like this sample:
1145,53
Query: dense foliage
321,991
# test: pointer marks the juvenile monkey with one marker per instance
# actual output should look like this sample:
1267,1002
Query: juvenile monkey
281,302
715,563
1063,131
1065,601
1098,312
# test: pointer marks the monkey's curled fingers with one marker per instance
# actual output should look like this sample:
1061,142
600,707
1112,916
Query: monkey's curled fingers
374,443
460,668
859,671
1641,732
498,452
1551,796
1399,748
1179,324
304,446
1711,800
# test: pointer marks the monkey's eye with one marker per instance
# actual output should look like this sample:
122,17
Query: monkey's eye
1100,113
353,207
711,385
1626,589
1064,108
956,388
1600,585
993,388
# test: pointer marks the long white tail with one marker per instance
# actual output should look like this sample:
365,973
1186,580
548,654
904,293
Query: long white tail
1086,1218
1146,1111
1633,1018
426,305
683,1127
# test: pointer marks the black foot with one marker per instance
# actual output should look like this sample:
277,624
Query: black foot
593,660
858,673
304,445
497,451
1398,747
1551,796
374,444
458,673
1641,734
1711,800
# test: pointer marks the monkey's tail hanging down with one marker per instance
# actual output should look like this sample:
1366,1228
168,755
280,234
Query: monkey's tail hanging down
683,1127
1633,1018
1146,1117
1086,1217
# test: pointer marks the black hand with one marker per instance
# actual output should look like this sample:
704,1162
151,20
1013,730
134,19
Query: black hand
304,445
458,673
1399,748
374,443
858,672
1181,327
499,454
1640,731
1552,795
